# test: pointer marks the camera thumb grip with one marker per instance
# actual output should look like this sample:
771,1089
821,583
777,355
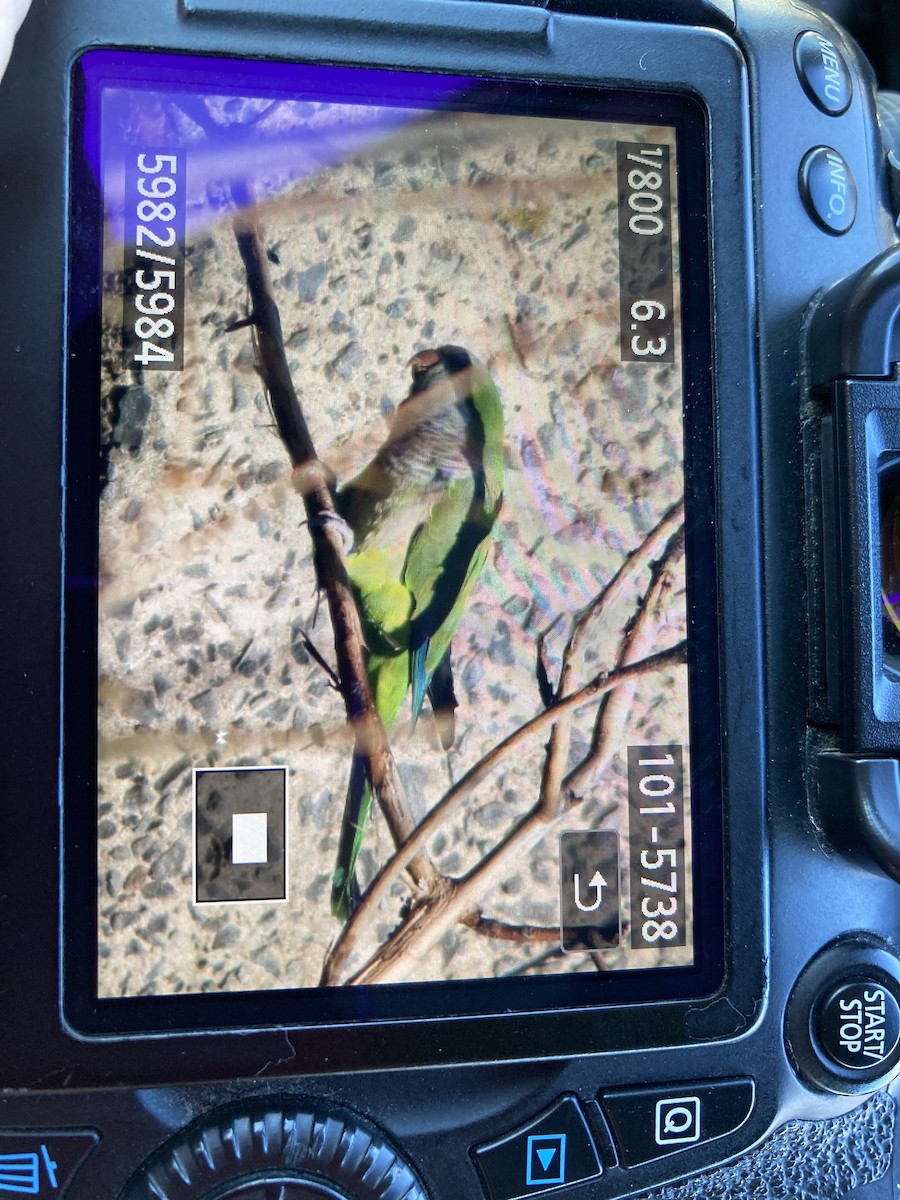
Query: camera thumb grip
804,1160
889,121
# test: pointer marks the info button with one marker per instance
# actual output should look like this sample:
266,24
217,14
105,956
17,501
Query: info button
828,189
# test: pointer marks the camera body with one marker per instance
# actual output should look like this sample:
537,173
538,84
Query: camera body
768,1048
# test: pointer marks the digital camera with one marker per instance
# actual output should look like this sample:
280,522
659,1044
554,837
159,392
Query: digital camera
451,607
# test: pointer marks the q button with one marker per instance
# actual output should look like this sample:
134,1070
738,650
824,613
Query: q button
652,1122
677,1120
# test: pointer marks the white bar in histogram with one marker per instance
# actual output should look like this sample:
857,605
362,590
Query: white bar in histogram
248,837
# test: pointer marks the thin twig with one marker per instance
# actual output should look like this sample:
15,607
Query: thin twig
503,932
313,651
530,830
638,641
558,747
637,559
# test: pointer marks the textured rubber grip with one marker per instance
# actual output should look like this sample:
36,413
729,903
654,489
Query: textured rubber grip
805,1160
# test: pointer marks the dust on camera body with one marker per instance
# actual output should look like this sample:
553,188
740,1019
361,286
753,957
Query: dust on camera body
450,466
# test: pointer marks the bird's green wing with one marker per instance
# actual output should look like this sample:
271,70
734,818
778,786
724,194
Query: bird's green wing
385,606
443,564
447,555
344,888
384,600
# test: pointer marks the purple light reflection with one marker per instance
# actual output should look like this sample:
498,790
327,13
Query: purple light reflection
267,123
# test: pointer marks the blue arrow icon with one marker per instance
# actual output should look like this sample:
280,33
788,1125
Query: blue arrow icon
546,1161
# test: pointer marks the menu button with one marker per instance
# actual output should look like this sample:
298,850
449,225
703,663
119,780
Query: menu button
823,72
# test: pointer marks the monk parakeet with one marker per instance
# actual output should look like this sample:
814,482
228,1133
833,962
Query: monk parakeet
421,514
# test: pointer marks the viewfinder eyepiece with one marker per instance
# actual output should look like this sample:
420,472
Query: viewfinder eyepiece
889,528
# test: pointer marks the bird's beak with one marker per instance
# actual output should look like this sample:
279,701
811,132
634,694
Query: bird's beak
423,361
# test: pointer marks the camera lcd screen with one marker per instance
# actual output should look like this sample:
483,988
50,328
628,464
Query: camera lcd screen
444,325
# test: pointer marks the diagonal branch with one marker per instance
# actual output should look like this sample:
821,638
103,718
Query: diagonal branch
313,482
455,898
553,776
639,640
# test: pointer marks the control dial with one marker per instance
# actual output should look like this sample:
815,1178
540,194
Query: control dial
278,1151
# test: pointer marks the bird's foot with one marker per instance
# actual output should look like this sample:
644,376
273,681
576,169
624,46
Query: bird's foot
324,520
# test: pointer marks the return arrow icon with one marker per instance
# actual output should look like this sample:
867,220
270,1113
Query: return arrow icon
598,883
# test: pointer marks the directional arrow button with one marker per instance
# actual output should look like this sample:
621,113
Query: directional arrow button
546,1159
553,1150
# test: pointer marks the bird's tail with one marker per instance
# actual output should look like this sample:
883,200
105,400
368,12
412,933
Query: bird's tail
344,885
438,686
444,704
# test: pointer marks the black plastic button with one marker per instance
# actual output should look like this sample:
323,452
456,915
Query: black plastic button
814,1019
825,76
42,1164
650,1123
553,1150
828,189
857,1024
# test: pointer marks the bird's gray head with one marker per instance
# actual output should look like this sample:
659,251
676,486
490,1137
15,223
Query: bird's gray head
432,433
428,365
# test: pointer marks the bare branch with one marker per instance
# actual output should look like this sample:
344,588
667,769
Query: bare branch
458,898
313,482
639,639
433,919
558,795
558,747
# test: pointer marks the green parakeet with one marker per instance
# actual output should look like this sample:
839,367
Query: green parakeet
421,513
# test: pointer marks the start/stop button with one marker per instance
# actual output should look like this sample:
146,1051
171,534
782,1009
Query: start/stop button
857,1024
842,1020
